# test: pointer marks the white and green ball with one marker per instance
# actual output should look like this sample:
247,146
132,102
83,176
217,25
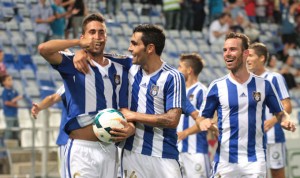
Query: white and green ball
104,121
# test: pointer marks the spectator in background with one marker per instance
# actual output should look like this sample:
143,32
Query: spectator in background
42,14
261,11
68,6
215,9
78,17
10,106
171,10
187,15
289,72
58,25
270,10
2,65
113,7
272,63
199,14
219,28
297,29
250,10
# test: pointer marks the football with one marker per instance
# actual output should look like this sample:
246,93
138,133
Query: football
104,121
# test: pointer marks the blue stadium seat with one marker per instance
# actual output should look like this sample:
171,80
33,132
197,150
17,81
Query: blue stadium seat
9,61
25,61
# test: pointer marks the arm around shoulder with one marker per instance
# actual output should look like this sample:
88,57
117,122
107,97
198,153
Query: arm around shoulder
50,49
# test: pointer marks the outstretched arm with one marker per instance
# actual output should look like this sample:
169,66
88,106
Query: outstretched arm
45,103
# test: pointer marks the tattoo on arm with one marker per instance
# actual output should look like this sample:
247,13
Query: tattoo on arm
169,119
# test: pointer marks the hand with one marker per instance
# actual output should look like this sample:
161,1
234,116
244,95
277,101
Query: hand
214,129
205,124
287,124
120,134
129,115
35,110
81,61
269,124
181,136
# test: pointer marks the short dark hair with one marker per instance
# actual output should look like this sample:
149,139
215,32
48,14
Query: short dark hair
260,49
194,61
92,17
152,34
243,37
224,14
3,78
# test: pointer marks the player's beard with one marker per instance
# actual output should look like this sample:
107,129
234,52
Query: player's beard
99,52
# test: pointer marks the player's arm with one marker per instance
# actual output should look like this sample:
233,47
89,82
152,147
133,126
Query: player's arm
166,120
45,103
286,103
284,119
50,49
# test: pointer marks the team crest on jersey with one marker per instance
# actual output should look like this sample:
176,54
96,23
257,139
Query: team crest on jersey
117,79
154,90
256,96
191,97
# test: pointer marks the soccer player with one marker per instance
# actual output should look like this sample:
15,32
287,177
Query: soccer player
62,138
276,149
106,86
156,99
240,99
193,149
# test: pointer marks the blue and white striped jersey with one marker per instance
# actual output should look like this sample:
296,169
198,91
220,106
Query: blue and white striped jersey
104,87
196,143
276,134
241,116
155,94
62,137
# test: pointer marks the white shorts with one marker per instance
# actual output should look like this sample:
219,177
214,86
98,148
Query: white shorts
194,165
276,155
90,159
61,160
241,170
136,165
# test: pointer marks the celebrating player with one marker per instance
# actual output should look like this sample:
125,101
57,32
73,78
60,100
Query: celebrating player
194,148
240,99
106,86
276,149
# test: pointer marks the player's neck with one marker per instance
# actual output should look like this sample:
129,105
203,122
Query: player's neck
240,76
260,71
152,65
190,81
101,60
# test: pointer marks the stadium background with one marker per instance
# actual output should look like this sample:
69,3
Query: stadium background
36,154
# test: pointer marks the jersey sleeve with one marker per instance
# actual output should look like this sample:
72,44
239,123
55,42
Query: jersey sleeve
272,100
189,108
61,90
210,102
175,94
281,87
66,67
